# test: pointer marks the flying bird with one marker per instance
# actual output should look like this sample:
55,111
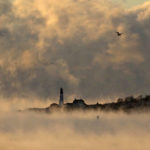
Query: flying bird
119,34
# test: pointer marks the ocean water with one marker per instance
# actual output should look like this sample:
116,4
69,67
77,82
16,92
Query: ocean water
73,131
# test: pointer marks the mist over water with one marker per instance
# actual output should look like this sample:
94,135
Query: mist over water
75,131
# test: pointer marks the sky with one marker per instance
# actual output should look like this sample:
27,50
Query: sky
45,45
130,3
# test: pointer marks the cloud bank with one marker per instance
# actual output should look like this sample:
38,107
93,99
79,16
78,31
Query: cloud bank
45,45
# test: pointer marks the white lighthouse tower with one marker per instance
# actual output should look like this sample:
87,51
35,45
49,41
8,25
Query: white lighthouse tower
61,100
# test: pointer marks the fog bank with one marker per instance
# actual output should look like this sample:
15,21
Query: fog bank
77,131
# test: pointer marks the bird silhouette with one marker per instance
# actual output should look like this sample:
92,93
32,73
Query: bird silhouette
119,34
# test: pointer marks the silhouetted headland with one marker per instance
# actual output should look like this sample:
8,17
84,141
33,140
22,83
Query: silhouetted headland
128,104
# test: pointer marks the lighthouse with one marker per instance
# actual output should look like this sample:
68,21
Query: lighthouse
61,100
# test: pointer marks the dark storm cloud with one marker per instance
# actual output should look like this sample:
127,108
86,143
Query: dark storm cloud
46,45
